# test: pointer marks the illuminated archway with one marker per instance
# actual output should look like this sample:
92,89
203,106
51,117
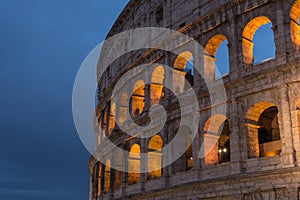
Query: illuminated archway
134,164
213,59
248,39
155,157
184,70
263,130
182,60
156,86
138,98
216,140
295,28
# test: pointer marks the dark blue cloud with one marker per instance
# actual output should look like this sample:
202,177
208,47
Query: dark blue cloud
42,44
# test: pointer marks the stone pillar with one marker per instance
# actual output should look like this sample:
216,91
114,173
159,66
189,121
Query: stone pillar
91,187
125,172
97,181
168,79
196,149
235,139
147,98
94,182
295,115
143,163
279,36
210,149
112,180
107,119
285,125
233,49
102,180
201,153
209,68
252,138
165,158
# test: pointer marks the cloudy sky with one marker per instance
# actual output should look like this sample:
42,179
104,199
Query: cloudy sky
42,44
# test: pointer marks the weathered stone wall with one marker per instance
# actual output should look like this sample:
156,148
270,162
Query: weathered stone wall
250,90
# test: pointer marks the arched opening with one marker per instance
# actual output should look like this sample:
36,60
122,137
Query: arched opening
258,41
216,58
134,164
107,177
216,140
294,24
138,98
184,70
156,86
263,130
122,115
268,133
224,143
155,157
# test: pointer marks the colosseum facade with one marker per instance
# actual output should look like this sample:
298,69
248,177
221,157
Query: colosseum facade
255,143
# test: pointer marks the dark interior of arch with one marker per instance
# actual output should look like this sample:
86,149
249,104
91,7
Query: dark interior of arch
269,128
224,143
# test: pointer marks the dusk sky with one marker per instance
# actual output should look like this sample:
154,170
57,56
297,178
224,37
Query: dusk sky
42,44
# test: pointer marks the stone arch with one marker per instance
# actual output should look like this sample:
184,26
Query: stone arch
157,84
211,50
263,130
248,35
294,24
154,155
134,164
182,59
184,67
122,115
107,174
216,140
138,98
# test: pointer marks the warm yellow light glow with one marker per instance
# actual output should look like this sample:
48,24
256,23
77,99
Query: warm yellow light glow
248,35
294,24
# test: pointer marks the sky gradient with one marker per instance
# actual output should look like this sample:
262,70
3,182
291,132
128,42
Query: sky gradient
43,43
